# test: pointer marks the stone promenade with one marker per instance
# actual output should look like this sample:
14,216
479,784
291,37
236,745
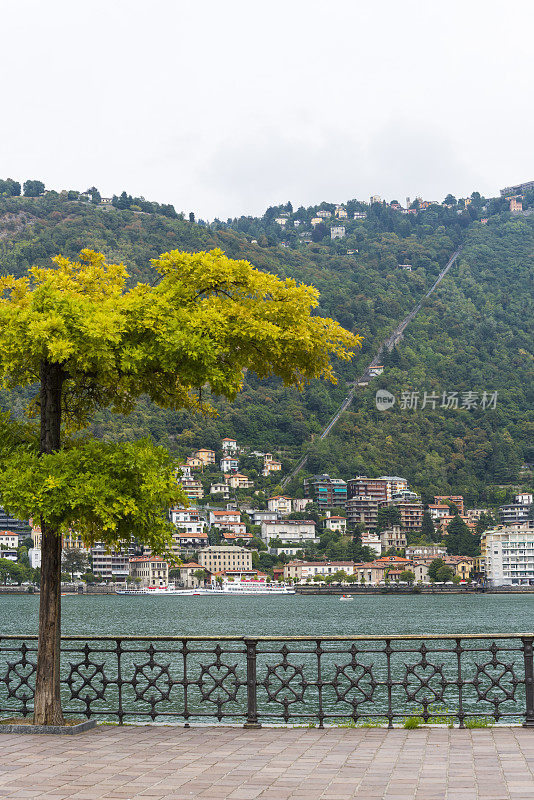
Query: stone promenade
223,763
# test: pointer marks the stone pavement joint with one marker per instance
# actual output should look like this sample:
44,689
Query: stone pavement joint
225,763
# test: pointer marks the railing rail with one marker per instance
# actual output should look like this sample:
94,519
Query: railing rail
255,680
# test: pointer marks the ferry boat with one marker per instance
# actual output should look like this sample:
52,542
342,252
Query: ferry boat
244,588
240,589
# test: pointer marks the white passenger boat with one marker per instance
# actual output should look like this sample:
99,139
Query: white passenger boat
346,597
244,588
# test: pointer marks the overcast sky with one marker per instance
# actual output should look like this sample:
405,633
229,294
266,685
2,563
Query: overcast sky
225,108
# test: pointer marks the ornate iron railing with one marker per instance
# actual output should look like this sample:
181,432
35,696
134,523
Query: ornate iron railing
351,680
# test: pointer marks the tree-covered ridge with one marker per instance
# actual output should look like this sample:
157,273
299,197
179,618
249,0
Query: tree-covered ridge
473,334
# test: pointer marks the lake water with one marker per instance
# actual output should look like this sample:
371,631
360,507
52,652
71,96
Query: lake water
280,615
205,681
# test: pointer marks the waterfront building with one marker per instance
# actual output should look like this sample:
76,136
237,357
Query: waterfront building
109,563
325,491
187,577
151,570
509,555
301,570
289,530
463,566
34,555
217,558
281,504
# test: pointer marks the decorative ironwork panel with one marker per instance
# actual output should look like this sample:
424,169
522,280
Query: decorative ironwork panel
305,680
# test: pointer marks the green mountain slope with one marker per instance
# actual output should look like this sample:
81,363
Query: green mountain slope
473,334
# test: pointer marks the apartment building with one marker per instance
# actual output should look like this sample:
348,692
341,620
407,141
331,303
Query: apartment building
9,540
188,520
430,551
289,530
218,558
516,512
151,570
509,555
411,512
109,563
382,488
362,508
325,491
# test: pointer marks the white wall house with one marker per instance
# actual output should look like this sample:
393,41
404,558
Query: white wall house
289,530
229,464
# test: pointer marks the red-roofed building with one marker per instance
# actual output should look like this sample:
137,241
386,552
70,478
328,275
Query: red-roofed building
151,570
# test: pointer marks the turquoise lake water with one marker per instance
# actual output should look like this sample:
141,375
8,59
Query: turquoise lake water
282,615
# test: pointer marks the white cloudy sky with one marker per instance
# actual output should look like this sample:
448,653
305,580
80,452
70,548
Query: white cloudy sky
227,107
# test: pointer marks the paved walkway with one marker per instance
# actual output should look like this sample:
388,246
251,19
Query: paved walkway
165,763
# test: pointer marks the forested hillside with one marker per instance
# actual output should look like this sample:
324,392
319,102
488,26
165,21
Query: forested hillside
474,334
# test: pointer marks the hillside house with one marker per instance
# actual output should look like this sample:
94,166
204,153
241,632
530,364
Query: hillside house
229,464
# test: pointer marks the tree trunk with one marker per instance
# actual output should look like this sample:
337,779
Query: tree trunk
47,683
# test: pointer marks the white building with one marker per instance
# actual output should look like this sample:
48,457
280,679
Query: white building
9,541
341,212
509,559
220,488
334,523
229,464
301,570
281,504
229,445
337,232
34,554
227,520
188,520
289,530
372,541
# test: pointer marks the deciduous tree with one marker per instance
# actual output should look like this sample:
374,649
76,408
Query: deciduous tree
89,343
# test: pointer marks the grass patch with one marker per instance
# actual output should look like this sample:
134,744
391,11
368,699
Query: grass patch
410,723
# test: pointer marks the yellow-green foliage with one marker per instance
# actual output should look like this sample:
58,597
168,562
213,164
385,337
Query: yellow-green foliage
206,321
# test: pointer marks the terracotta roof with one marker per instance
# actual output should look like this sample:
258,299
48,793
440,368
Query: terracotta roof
190,565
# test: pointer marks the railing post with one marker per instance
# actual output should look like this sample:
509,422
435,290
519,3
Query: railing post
529,681
252,696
